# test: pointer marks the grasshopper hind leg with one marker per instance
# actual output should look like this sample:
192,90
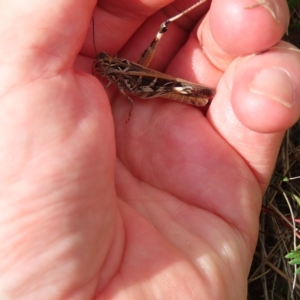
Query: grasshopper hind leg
149,52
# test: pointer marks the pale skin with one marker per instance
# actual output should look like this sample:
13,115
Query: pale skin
166,206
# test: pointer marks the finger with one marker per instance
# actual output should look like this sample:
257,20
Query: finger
257,95
231,29
264,100
116,21
269,88
258,99
43,31
238,28
221,40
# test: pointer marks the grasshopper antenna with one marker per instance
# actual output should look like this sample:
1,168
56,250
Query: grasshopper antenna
94,43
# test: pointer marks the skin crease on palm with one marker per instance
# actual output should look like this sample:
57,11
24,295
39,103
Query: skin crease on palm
166,206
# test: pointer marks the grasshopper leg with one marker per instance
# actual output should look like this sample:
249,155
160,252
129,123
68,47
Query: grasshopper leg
131,102
148,54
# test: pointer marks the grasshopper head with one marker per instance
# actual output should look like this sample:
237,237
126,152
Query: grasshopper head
102,63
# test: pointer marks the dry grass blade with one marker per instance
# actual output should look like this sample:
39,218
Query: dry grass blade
272,277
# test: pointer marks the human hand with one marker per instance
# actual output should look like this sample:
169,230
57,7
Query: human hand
165,207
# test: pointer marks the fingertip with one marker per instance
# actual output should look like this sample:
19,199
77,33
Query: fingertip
274,83
265,100
244,27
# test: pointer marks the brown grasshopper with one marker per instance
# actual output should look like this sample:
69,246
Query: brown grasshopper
140,81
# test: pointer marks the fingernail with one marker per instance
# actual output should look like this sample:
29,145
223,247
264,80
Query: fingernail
275,84
270,5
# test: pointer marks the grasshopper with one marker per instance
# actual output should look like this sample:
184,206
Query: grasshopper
138,80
